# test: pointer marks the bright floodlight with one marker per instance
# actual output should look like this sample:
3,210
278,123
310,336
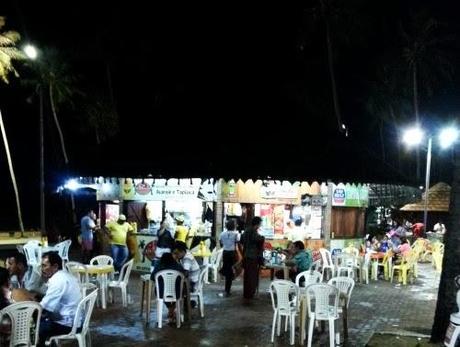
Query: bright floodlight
448,136
72,184
413,136
30,51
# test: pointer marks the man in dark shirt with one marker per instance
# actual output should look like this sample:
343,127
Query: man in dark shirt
252,244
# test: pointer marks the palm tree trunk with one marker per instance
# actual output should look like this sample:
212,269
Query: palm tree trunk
58,126
382,143
417,116
13,177
446,303
398,143
330,59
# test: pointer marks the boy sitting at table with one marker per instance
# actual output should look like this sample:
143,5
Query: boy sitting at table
300,261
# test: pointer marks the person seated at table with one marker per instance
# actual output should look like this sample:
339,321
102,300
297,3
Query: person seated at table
165,242
299,262
5,300
167,262
188,262
23,276
403,250
60,301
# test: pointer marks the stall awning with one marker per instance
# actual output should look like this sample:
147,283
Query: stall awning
438,200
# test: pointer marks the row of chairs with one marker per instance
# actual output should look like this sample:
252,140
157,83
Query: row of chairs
287,297
33,251
25,322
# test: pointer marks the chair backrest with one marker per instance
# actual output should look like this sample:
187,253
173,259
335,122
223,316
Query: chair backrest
101,260
344,284
201,280
63,249
316,265
169,278
284,295
126,271
326,298
79,270
351,249
21,315
33,253
216,257
83,313
305,278
326,257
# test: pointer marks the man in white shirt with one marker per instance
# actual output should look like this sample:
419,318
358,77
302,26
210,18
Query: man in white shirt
60,301
229,240
298,234
188,262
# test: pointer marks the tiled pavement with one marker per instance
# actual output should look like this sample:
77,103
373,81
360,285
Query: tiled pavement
379,306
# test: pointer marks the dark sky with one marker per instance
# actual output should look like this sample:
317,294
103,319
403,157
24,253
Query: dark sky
223,91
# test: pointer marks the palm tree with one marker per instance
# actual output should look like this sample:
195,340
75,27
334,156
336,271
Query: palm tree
8,53
102,118
387,104
426,59
446,303
54,75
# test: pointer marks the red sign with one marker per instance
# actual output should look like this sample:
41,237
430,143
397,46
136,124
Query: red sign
143,188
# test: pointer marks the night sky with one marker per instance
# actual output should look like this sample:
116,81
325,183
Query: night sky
225,91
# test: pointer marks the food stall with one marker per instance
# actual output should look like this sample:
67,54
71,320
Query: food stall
277,203
349,203
147,201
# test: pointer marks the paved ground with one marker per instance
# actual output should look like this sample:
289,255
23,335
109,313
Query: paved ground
379,306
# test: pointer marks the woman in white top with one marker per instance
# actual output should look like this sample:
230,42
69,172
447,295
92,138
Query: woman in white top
228,240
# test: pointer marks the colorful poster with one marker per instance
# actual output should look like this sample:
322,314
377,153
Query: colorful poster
350,195
266,213
278,214
146,246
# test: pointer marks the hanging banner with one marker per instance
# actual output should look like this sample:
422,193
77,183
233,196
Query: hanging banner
350,195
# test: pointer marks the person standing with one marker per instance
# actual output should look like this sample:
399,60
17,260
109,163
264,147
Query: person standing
229,240
118,232
87,228
181,233
252,249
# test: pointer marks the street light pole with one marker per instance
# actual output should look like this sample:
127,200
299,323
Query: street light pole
427,183
42,166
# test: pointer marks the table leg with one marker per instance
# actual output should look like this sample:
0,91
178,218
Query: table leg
345,321
286,272
303,318
104,290
143,284
189,306
149,302
206,263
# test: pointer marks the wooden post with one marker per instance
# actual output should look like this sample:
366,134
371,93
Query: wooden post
328,216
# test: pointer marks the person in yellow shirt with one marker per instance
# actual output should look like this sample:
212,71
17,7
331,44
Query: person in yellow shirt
117,232
181,230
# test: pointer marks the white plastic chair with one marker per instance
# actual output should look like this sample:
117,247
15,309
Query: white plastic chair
101,260
21,315
345,286
215,262
63,250
33,253
365,268
83,312
285,302
122,282
327,261
326,298
169,293
198,293
305,278
80,271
